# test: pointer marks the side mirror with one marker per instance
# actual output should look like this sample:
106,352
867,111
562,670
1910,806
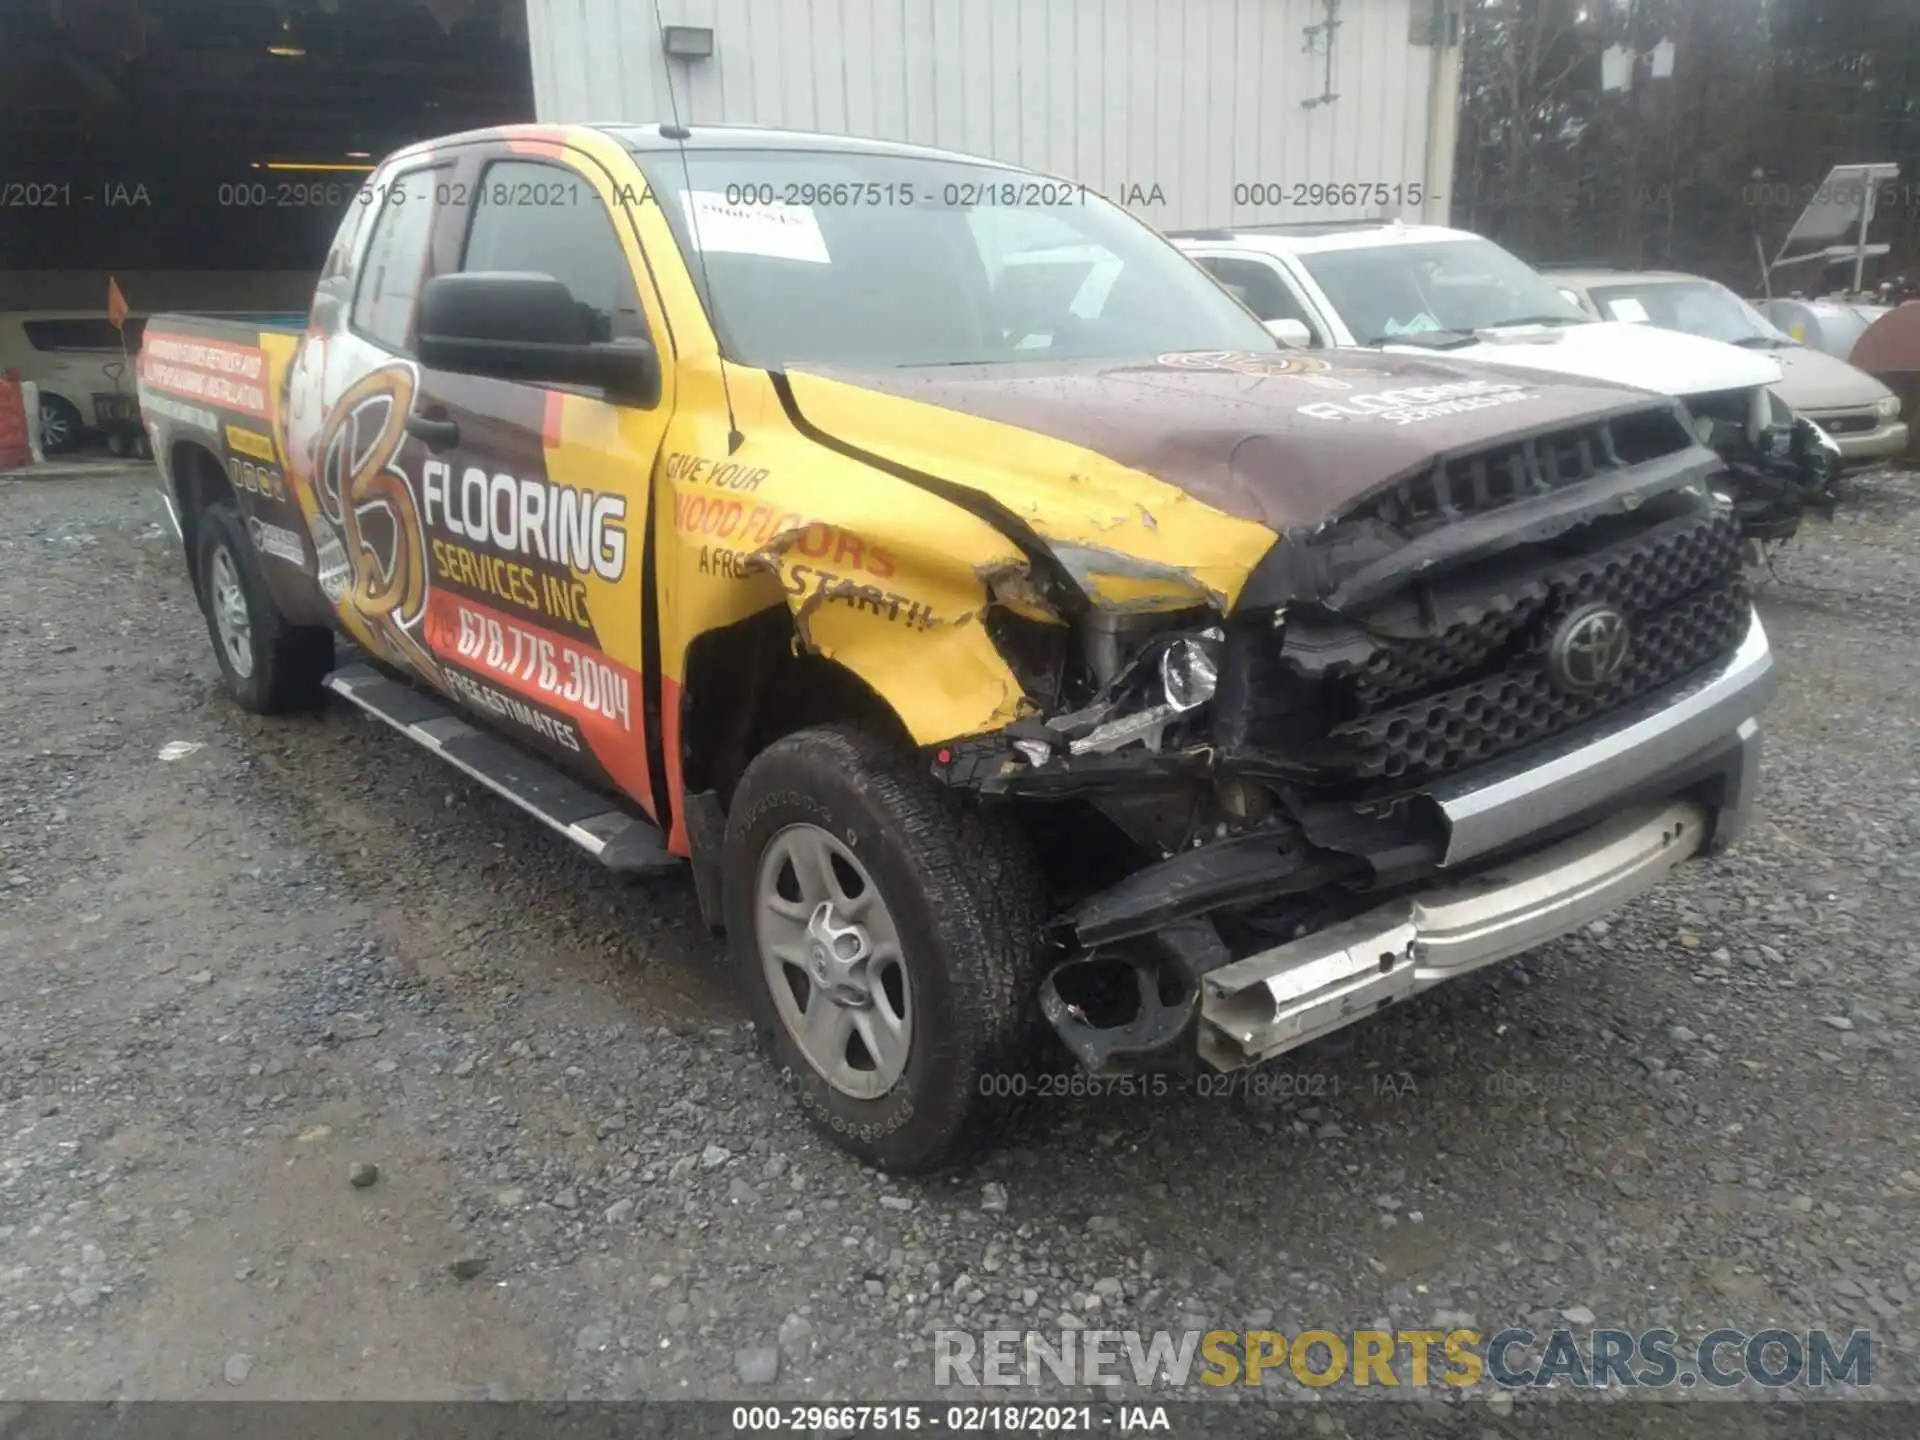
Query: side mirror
1291,332
527,327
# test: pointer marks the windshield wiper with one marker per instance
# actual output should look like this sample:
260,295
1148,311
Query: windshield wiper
1536,320
1429,339
1763,342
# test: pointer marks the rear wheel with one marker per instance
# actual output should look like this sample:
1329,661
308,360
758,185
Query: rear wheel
269,666
888,940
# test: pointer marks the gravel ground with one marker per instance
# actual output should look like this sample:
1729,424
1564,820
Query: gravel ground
330,1075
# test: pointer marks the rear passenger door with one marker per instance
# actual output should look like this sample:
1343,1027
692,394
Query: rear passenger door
534,496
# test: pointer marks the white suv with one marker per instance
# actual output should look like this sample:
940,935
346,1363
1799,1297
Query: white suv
1411,288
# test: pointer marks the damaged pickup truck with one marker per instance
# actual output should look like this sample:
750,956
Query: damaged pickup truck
1019,645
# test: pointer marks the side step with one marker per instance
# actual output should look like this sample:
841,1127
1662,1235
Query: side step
616,839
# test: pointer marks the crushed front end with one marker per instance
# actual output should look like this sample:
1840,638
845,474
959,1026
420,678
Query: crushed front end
1465,714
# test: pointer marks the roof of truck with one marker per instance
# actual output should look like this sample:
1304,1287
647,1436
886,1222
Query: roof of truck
664,136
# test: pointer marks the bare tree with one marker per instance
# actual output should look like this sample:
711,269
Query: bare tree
1688,169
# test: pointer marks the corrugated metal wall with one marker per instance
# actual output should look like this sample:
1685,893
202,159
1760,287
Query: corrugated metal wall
1194,97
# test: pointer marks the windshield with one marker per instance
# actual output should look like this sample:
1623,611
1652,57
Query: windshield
1385,291
1699,307
881,261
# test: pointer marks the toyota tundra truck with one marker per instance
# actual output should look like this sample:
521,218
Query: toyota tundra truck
1031,659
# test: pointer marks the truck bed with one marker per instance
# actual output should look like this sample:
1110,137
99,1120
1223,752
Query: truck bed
195,367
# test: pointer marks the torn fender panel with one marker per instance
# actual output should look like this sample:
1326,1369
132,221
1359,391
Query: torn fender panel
880,576
1140,542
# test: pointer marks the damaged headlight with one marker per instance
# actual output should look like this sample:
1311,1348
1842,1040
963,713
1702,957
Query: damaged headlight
1190,669
1168,678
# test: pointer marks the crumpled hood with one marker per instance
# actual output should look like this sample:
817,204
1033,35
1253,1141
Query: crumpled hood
1818,381
1668,361
1282,438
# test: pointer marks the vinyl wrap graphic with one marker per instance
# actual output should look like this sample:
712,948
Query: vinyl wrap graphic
472,575
366,522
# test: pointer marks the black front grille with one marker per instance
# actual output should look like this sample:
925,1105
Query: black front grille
1638,575
1485,718
1478,686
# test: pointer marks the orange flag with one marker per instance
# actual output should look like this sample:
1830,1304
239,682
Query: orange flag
116,304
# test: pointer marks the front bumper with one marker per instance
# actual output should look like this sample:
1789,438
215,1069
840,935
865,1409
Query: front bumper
1259,1007
1266,1004
1531,848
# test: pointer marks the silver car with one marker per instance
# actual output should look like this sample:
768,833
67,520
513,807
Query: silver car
1856,410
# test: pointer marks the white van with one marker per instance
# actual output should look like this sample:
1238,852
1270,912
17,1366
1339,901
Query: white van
75,357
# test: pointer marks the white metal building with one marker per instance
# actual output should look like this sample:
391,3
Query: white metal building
1191,112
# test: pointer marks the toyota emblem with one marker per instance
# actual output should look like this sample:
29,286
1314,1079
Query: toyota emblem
1589,649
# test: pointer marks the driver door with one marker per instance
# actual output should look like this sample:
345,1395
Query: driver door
534,497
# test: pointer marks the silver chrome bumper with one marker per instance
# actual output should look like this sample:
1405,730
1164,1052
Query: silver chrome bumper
1492,806
1268,1003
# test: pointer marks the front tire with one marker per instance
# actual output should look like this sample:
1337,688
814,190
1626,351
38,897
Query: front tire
61,428
270,667
888,939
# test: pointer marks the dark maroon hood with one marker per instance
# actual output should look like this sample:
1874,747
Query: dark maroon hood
1285,438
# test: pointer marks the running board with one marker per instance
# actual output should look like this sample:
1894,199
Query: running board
616,839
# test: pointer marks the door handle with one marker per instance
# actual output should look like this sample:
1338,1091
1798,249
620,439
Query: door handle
435,434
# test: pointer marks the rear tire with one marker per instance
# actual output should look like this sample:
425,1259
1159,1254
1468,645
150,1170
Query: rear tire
270,667
959,905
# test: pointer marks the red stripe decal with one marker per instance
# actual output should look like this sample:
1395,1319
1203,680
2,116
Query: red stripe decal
603,698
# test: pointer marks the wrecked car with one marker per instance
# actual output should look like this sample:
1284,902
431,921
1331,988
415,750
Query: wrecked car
1026,654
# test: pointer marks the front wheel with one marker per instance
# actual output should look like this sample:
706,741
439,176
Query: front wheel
61,428
888,939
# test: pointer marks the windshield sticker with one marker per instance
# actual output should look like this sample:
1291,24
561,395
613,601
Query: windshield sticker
1627,309
1420,324
1421,402
774,231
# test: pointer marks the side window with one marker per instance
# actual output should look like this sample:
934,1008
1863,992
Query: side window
546,220
394,266
76,335
1259,287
